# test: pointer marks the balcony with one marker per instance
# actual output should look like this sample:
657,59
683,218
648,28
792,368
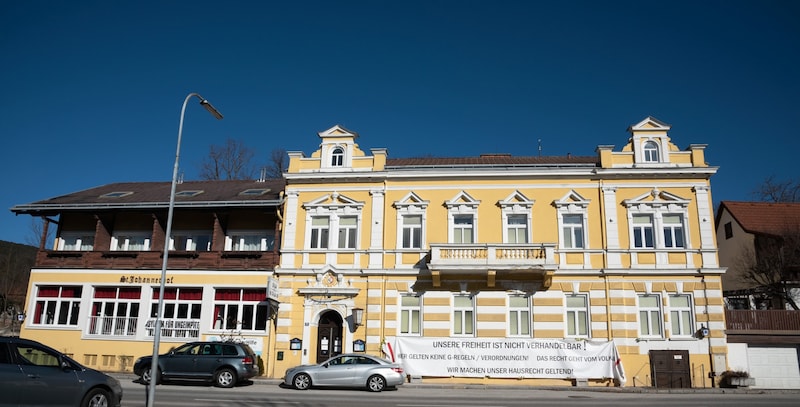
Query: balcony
763,326
187,260
521,260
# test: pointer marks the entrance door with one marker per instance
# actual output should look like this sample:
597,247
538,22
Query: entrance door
670,368
329,336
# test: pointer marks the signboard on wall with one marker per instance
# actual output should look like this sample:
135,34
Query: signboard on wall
509,358
272,288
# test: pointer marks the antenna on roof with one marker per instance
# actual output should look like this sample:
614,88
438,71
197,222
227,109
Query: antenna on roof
180,178
540,147
263,176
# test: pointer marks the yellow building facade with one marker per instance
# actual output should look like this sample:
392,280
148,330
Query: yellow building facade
497,251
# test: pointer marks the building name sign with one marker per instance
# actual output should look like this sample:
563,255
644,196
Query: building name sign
509,358
144,280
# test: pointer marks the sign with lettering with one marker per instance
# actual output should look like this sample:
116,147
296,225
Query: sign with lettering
509,358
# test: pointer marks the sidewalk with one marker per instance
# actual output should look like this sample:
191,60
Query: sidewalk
716,390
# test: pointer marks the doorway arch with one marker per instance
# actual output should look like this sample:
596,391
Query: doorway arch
329,336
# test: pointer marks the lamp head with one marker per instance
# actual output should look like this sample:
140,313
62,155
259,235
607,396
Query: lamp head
211,109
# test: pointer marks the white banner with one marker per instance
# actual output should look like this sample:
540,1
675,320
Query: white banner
506,358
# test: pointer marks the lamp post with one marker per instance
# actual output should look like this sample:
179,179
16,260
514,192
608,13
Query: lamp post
157,333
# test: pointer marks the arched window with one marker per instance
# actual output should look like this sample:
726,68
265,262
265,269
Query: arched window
337,157
651,152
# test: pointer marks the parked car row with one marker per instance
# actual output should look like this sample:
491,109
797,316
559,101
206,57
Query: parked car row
32,373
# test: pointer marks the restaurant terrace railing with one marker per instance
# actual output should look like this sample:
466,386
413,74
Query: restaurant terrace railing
762,321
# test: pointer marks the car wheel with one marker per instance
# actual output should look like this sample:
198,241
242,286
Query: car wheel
302,381
147,375
376,383
96,398
225,378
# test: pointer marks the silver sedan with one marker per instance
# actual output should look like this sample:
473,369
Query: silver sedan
348,370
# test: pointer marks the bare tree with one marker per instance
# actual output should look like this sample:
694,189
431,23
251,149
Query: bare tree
278,163
227,162
773,267
16,261
37,228
772,190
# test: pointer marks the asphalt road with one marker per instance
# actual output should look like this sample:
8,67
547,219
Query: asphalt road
269,394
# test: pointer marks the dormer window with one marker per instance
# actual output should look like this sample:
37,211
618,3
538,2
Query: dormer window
337,157
651,152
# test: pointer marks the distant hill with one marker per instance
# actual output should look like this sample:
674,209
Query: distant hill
16,261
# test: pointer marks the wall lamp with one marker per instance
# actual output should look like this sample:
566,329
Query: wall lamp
157,333
358,317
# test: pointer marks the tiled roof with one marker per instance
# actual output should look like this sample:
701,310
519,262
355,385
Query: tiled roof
764,217
497,160
157,194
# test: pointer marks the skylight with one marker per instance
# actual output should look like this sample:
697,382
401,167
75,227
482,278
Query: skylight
188,193
116,194
254,191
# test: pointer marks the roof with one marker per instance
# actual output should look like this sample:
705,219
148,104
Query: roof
152,195
763,217
492,160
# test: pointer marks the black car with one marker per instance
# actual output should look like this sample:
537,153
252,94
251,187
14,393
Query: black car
224,363
32,373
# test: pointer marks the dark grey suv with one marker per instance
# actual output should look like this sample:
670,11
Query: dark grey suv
223,363
32,373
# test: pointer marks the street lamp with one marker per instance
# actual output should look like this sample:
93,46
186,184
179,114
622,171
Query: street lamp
157,333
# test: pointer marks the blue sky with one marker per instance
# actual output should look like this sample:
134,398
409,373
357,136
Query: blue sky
91,91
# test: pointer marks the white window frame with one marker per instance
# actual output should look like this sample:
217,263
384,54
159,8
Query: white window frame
411,205
651,151
681,317
319,234
114,316
463,316
461,229
59,310
126,241
514,206
229,314
333,207
573,236
658,204
238,240
577,317
347,234
410,315
411,233
651,320
642,231
337,156
519,316
178,309
76,241
191,239
462,206
674,234
572,203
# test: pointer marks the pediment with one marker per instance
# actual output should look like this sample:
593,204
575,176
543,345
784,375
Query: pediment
337,131
411,199
657,197
333,199
572,198
650,123
516,198
462,199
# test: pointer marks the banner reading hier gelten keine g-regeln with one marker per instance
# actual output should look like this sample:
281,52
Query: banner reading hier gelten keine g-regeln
508,358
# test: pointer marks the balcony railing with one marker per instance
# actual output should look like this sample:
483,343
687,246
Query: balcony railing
492,256
762,321
211,260
112,326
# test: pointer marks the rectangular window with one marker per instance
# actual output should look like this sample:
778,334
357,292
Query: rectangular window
412,232
115,311
237,309
673,231
410,310
519,316
182,307
463,229
348,226
463,316
131,242
643,231
577,316
517,231
191,241
57,305
256,241
573,231
77,242
728,230
680,315
319,232
649,316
